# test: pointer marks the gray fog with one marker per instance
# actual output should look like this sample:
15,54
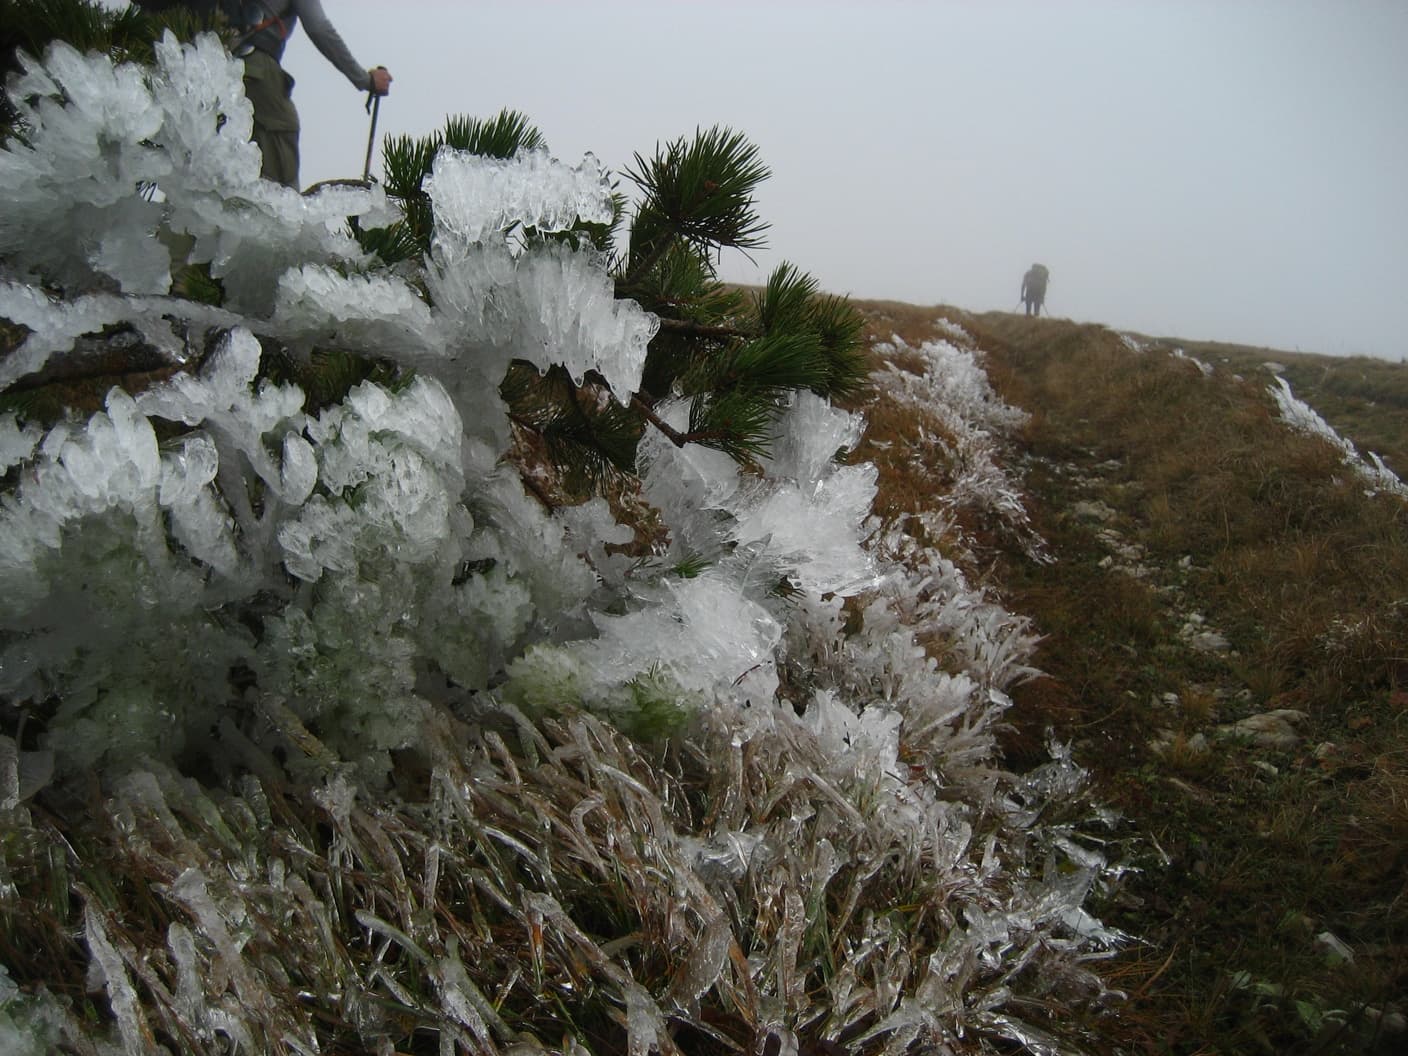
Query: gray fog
1206,170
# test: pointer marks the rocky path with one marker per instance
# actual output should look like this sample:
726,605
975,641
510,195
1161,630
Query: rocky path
1195,716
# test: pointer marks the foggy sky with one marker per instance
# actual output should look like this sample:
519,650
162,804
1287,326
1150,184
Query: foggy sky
1228,171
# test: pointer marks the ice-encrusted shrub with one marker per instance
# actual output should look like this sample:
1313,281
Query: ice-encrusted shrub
412,545
80,207
211,569
100,613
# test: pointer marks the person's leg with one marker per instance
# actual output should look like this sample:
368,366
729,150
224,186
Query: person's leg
270,89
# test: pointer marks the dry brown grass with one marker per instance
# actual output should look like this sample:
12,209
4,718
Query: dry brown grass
903,485
911,323
1307,576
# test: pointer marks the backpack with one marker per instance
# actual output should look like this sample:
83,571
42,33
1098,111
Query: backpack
254,26
1035,281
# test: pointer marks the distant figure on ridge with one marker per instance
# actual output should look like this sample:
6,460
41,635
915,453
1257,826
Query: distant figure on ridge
264,27
1034,288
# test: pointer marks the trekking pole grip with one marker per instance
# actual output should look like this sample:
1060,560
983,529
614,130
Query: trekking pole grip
372,93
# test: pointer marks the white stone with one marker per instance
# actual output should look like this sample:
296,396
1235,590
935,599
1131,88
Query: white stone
1268,729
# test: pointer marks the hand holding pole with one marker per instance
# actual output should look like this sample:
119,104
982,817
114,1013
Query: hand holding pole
381,84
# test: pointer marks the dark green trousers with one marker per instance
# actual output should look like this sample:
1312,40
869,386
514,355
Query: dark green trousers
270,90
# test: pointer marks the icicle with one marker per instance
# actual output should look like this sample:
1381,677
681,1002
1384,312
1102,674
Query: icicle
645,1026
137,1037
190,889
464,1000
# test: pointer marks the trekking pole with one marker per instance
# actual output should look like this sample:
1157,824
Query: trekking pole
373,108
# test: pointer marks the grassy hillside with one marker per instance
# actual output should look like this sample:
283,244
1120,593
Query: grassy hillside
1225,616
1365,399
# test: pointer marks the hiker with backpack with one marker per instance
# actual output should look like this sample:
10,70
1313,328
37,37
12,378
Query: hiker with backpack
262,29
1034,288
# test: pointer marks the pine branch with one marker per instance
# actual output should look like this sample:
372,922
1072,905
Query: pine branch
692,329
501,136
590,440
679,439
660,244
736,423
784,302
700,192
789,303
767,366
408,161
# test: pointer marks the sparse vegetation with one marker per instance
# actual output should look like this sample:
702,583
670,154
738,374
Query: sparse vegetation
1366,399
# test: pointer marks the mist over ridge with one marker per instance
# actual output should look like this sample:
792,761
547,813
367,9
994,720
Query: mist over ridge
1207,171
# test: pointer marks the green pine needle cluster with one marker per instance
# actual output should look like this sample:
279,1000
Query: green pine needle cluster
737,358
792,303
699,191
592,442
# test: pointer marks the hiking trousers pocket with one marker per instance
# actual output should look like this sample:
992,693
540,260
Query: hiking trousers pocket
275,118
270,90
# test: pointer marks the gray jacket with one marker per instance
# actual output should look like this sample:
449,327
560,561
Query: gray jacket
320,31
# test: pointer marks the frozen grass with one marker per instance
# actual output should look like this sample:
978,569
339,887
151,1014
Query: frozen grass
552,887
870,879
846,864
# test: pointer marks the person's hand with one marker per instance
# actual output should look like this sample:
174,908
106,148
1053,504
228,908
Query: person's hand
381,80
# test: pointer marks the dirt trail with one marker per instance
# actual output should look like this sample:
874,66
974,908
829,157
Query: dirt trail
1195,541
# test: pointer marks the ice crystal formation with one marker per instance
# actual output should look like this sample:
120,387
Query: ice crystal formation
954,392
384,744
1303,418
